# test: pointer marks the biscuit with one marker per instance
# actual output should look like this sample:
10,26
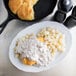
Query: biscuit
14,5
26,12
23,8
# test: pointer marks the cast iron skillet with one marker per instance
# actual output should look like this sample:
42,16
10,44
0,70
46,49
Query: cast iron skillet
42,9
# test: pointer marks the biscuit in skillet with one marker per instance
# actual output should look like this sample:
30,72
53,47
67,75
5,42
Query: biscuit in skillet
14,5
23,8
26,12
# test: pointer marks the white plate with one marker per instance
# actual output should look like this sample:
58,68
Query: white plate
34,29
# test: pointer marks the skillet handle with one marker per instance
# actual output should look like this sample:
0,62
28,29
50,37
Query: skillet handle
3,25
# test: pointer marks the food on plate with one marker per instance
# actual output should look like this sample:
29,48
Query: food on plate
31,51
23,8
41,48
53,38
28,62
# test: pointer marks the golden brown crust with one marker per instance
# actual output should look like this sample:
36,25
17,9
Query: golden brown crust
14,5
34,2
23,8
26,12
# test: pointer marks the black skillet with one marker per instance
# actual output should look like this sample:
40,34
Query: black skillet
42,9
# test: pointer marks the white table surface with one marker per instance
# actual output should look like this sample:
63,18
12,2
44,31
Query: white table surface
67,67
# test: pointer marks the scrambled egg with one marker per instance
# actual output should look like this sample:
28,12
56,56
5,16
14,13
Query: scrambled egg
53,38
28,62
